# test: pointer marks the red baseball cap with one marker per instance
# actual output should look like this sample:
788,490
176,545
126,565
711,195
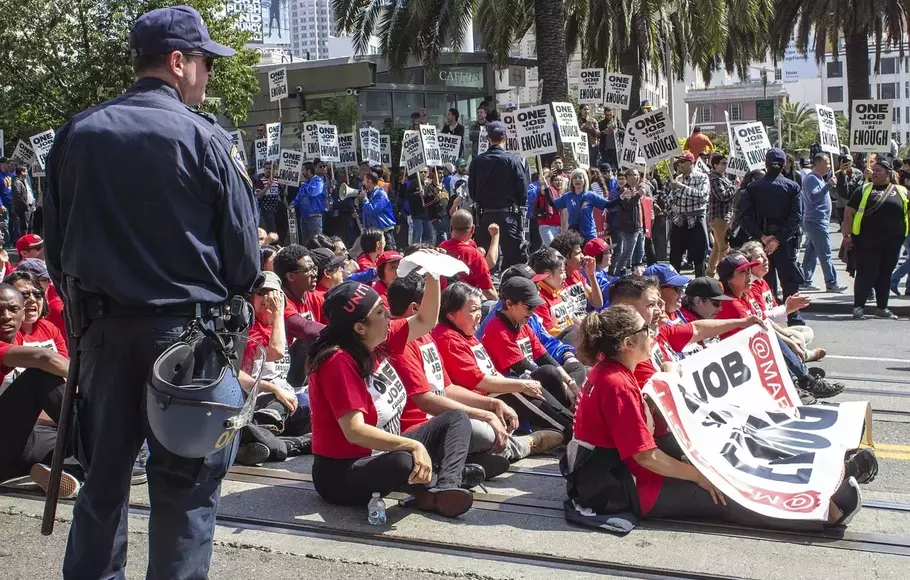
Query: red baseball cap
29,242
388,256
686,156
596,247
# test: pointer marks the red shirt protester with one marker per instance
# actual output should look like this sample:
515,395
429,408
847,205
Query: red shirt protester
365,262
55,309
44,334
310,307
555,314
479,273
465,360
507,346
421,370
573,292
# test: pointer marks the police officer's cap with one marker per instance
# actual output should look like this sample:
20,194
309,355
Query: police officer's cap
775,156
496,130
175,28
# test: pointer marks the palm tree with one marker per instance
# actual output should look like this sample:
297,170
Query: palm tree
883,22
797,119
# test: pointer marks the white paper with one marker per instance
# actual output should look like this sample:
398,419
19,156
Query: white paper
438,265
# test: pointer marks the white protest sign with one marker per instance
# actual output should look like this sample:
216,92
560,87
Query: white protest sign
449,147
370,146
290,165
738,418
617,90
827,129
631,155
385,144
736,165
430,145
262,154
482,143
591,89
237,138
581,152
328,143
347,150
870,126
273,137
278,84
655,136
41,145
535,131
2,143
702,166
412,155
566,122
511,132
754,144
22,154
310,138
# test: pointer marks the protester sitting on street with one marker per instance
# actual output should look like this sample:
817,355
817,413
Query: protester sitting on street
329,269
602,253
672,286
576,290
303,315
462,247
30,246
735,273
52,298
431,392
470,365
386,272
555,314
372,244
267,258
580,204
702,300
35,330
357,398
875,226
620,467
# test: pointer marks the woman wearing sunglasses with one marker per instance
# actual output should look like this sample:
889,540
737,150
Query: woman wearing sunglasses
36,330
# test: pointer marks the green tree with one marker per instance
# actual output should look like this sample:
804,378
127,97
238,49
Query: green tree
63,57
799,125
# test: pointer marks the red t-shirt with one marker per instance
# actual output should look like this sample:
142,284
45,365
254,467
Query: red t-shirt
4,370
573,292
670,340
555,313
612,414
43,335
310,307
276,370
464,358
553,220
421,370
365,262
55,309
508,346
738,308
478,275
761,293
336,388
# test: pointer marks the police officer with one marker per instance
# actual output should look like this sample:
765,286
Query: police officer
498,186
141,262
772,210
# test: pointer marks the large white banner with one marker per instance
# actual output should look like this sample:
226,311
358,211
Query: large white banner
328,143
370,146
347,151
655,136
273,138
449,147
753,143
41,145
290,165
412,155
827,129
617,90
566,122
737,417
591,89
278,84
736,165
430,145
310,138
535,131
870,127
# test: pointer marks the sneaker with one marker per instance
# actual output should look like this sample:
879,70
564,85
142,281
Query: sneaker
884,313
252,453
849,499
302,445
139,476
815,355
821,388
811,288
472,475
449,503
545,440
836,289
69,485
858,313
817,372
805,397
862,465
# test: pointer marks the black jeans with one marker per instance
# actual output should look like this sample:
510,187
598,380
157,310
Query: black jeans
659,238
446,437
32,392
551,412
692,241
512,245
874,265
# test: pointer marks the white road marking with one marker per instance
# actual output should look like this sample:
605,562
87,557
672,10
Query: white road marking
847,357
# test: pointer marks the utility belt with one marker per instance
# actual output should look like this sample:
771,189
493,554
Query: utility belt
98,307
510,209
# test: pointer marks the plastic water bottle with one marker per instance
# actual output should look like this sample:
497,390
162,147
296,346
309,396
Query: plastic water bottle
376,510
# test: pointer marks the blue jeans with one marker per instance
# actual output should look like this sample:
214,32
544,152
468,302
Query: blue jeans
631,249
547,233
818,249
116,355
423,231
904,269
309,227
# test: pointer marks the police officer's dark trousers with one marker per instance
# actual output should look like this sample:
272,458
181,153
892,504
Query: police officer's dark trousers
513,248
789,273
116,356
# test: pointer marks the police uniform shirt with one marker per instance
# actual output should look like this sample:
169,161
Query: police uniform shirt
772,207
149,203
499,180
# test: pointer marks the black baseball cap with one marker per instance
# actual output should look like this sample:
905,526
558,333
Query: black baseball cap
165,30
732,263
522,271
326,259
705,287
520,289
776,155
496,130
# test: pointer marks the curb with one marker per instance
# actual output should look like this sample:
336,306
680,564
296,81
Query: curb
902,311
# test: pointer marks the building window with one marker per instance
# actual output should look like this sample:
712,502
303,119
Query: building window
888,66
907,90
888,90
835,69
835,94
705,114
778,74
896,117
736,111
908,137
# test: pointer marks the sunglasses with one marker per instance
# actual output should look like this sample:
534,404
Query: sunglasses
209,61
36,294
645,328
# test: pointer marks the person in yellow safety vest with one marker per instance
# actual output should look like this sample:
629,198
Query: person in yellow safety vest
875,225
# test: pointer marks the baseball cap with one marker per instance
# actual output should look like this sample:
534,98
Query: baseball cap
496,130
667,275
605,167
271,281
29,242
520,289
388,256
522,271
705,287
326,259
459,162
35,267
450,168
775,155
595,247
732,263
511,107
686,156
174,28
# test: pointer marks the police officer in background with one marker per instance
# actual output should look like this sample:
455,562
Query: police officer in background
772,210
498,185
139,282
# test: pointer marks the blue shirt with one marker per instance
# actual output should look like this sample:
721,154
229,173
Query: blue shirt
532,193
604,280
310,198
377,211
6,187
816,200
580,208
555,347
